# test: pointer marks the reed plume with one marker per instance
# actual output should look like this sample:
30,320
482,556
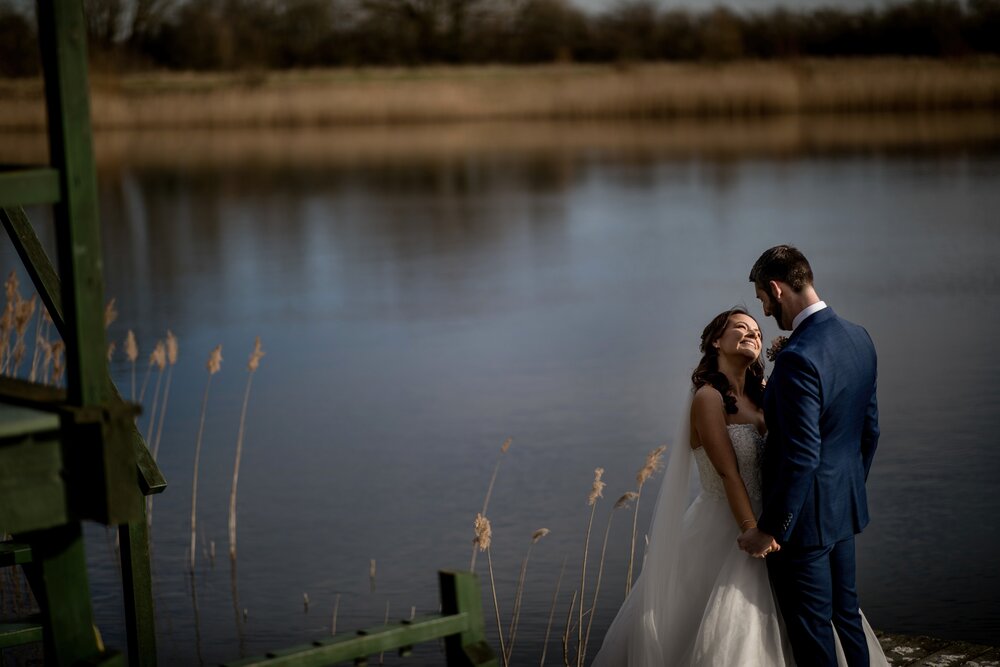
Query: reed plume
621,503
552,613
252,365
371,575
483,538
489,492
58,348
654,461
41,321
171,358
596,491
214,365
23,312
159,359
112,346
11,287
516,614
131,353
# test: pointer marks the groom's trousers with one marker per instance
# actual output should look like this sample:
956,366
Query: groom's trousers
817,594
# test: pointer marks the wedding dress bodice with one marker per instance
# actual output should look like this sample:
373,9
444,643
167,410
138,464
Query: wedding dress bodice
748,444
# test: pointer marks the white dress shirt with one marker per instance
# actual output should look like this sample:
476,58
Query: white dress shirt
806,312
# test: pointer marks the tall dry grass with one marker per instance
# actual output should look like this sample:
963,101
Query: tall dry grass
489,492
654,461
213,366
252,365
448,94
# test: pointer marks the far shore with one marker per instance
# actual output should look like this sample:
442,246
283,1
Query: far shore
370,96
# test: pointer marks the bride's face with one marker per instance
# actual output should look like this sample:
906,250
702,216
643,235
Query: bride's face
740,338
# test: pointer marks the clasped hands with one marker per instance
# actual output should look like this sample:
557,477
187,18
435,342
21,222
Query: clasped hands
757,543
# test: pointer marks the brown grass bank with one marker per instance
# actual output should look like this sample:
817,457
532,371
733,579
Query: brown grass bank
445,94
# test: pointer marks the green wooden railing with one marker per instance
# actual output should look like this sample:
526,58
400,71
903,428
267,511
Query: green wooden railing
460,624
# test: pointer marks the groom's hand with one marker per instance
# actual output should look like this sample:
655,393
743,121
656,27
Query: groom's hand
757,543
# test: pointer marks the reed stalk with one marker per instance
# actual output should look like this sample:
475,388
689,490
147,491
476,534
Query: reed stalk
252,365
596,491
622,502
131,353
371,575
569,629
482,540
11,288
552,613
171,361
336,607
518,594
23,313
654,461
159,359
213,366
58,348
110,315
489,492
41,321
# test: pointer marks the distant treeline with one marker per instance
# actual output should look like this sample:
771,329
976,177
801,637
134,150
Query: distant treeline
277,34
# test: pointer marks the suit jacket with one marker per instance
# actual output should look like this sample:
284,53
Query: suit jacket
822,422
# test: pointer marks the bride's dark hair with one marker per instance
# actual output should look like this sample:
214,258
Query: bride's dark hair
708,371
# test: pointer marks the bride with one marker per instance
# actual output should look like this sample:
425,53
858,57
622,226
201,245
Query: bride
700,600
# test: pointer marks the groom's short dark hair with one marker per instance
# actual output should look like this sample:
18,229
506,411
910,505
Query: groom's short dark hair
782,263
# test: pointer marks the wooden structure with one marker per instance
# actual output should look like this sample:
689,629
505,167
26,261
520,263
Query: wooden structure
70,455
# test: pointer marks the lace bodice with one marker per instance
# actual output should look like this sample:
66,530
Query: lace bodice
748,444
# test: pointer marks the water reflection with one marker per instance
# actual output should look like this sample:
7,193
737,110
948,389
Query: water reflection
425,295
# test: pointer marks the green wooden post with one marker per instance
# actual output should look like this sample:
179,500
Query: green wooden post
63,36
137,581
58,576
133,536
460,593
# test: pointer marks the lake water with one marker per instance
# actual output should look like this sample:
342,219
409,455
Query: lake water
423,294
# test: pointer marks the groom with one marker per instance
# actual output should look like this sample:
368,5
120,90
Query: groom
822,420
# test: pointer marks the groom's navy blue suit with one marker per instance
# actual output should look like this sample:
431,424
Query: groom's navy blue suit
822,421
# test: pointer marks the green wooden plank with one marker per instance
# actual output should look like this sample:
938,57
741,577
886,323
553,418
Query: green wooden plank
460,592
17,422
14,553
137,584
36,497
16,633
47,284
58,577
25,187
63,36
367,642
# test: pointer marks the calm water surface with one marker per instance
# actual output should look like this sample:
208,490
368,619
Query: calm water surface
417,308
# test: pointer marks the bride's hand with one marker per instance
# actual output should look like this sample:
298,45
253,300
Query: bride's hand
757,543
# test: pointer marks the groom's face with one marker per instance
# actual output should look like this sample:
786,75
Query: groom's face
771,305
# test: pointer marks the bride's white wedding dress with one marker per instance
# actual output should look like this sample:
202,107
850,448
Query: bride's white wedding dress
700,600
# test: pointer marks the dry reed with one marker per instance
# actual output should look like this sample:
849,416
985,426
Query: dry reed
483,539
158,358
468,93
252,365
621,503
131,353
569,629
171,350
552,613
596,491
23,312
214,365
516,614
41,321
654,461
489,492
336,608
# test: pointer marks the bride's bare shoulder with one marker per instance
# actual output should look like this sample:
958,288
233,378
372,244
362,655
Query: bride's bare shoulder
706,397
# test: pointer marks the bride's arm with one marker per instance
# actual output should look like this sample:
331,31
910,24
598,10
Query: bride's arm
709,422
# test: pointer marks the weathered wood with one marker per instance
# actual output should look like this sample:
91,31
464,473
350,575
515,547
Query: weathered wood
18,632
14,553
36,497
48,286
63,36
460,623
367,642
25,187
137,585
460,592
58,577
